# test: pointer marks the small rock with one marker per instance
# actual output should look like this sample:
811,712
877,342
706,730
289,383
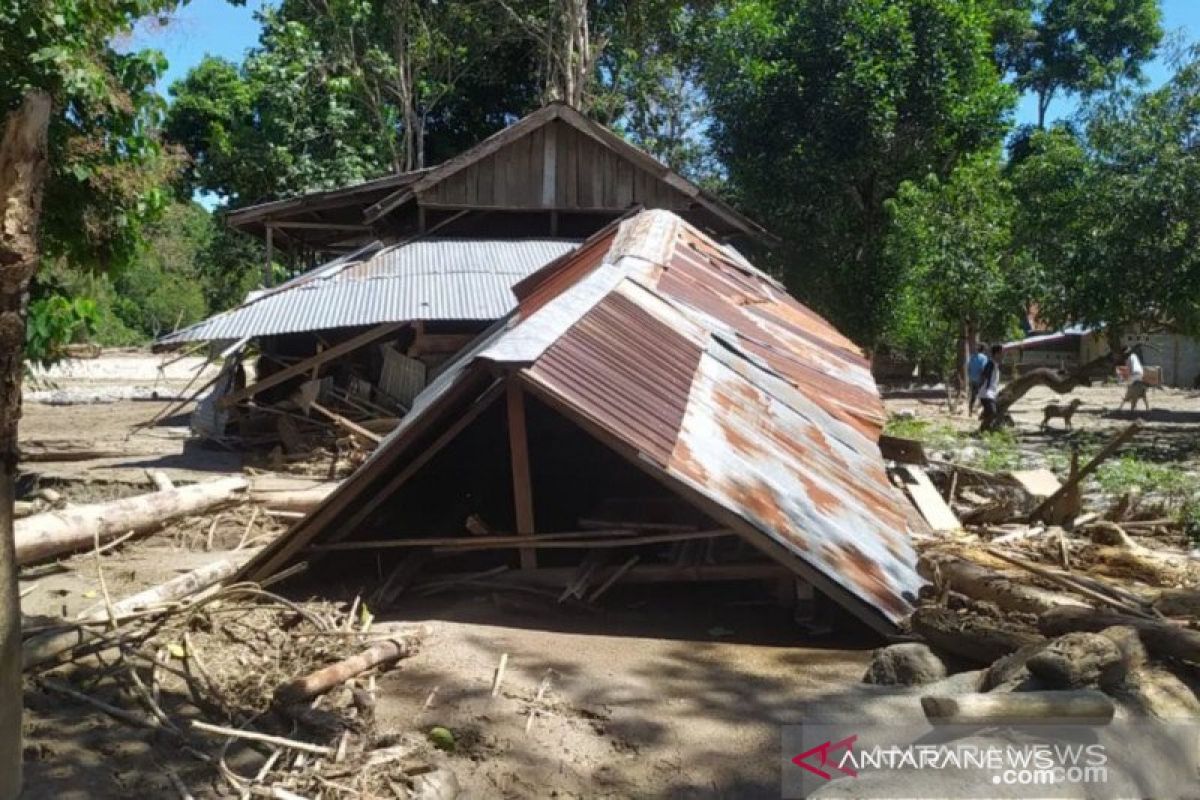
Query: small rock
1077,660
1133,652
906,664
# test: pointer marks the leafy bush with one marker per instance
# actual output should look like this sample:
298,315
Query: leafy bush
55,322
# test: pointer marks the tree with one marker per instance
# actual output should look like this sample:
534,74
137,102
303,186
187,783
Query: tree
952,240
56,54
823,108
1116,215
22,180
1078,46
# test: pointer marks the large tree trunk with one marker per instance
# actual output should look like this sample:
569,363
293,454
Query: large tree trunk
79,527
1060,381
22,180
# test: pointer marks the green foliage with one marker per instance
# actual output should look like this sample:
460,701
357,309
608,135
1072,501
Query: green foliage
998,452
1077,46
1120,475
349,91
937,435
1112,214
189,266
823,108
108,168
951,241
55,322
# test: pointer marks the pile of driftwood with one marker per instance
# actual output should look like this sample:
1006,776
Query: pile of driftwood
1046,596
269,697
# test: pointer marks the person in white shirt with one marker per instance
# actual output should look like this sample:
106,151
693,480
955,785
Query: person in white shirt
1137,382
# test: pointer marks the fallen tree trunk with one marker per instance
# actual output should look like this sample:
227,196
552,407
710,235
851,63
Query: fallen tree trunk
76,528
295,499
1160,638
982,583
974,638
1078,705
38,650
326,678
1059,381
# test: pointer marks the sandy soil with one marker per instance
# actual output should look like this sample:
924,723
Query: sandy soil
101,404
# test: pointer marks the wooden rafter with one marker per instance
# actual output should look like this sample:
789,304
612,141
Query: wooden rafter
348,346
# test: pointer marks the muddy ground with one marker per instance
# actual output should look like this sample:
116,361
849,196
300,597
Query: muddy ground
659,692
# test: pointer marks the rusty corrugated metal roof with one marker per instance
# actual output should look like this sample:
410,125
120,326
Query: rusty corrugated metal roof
704,370
780,416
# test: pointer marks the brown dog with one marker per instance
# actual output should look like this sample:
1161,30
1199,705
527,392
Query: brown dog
1056,410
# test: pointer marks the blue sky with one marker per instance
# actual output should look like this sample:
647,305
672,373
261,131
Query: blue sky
217,28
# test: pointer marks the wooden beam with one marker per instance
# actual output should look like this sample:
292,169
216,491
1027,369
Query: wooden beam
342,422
550,165
267,271
304,366
412,467
320,226
518,446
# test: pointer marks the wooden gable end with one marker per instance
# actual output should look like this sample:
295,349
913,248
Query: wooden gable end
553,167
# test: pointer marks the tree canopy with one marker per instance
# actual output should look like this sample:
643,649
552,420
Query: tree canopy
823,108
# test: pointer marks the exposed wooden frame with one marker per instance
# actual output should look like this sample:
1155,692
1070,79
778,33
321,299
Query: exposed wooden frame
306,365
318,201
518,446
755,537
319,226
411,468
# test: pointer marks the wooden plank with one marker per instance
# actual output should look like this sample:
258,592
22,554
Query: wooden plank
518,445
350,426
299,368
524,541
550,166
1040,483
927,499
1041,512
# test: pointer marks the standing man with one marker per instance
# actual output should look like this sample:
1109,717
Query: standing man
1137,381
975,365
989,389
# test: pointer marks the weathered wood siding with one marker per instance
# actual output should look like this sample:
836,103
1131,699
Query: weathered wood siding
554,167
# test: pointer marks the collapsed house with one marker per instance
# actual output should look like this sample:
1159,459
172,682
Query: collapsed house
653,409
422,263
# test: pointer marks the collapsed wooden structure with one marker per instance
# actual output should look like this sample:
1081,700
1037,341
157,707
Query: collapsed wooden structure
653,406
422,263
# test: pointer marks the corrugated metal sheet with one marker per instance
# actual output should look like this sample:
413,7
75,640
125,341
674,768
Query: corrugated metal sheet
428,279
710,371
701,366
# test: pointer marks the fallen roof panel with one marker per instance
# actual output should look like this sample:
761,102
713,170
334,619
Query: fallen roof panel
427,279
